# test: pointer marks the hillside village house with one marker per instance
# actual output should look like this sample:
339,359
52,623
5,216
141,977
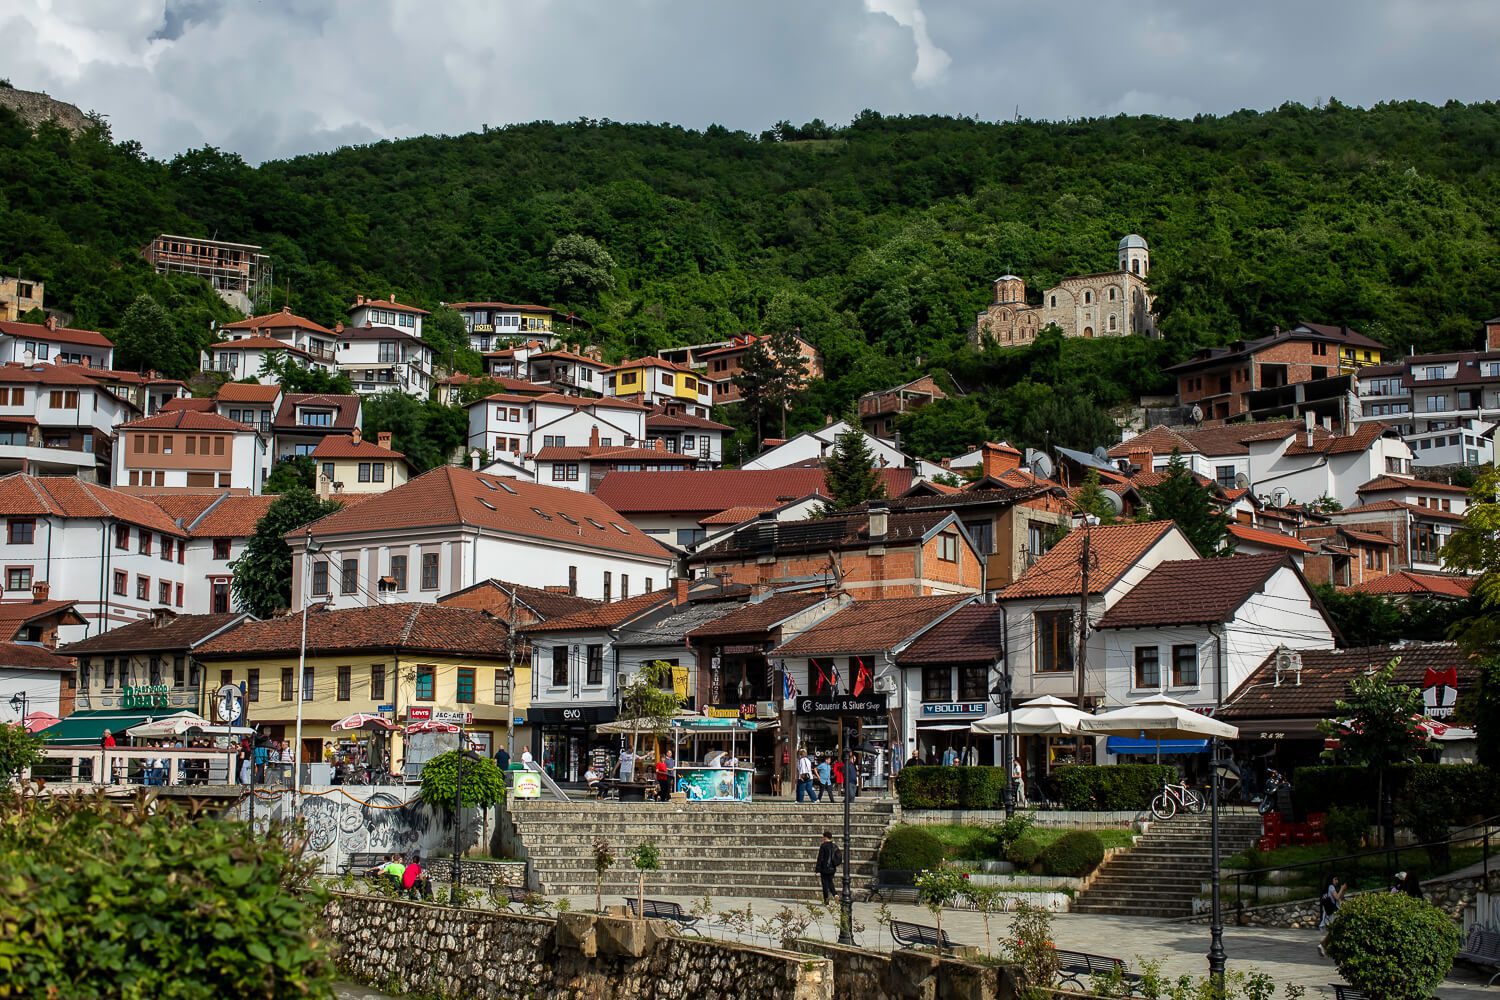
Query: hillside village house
349,463
218,526
451,528
304,419
246,343
879,410
584,468
814,447
407,661
514,362
491,325
18,296
149,665
654,382
186,449
57,420
387,312
947,676
385,359
451,389
721,364
248,403
682,432
34,681
49,343
515,427
37,620
572,371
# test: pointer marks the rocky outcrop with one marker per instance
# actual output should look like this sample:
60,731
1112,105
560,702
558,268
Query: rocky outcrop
35,108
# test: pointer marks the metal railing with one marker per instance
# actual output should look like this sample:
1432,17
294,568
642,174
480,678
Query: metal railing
137,766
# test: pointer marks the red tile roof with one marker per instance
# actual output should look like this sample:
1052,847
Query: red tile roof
256,343
1193,591
1381,484
608,402
344,446
247,392
1407,582
972,634
422,628
1230,439
1393,505
30,657
452,496
1328,443
345,411
658,419
517,385
15,614
372,332
285,319
734,515
605,615
13,373
560,355
206,515
871,626
166,632
386,303
1113,549
759,617
711,491
518,307
65,496
1260,536
186,420
546,604
61,335
198,405
1326,674
612,454
651,361
1367,537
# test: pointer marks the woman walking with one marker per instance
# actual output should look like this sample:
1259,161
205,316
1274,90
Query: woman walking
1329,903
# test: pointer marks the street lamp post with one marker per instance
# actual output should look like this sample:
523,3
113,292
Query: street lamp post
458,813
311,548
19,701
1001,692
846,898
1216,925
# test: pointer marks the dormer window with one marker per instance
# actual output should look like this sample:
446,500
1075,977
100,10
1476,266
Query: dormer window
315,418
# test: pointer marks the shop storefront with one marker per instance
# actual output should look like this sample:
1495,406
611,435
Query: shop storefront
945,726
564,742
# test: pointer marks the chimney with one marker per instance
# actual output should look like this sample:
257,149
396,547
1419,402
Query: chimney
393,296
594,436
880,519
1307,420
1492,335
680,590
998,459
324,486
338,327
40,590
1142,458
286,310
383,438
355,435
659,444
359,300
51,322
474,460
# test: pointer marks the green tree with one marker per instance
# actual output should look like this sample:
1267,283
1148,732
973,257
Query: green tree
1092,500
850,470
772,371
1181,498
581,269
651,699
1390,946
427,432
293,376
1476,550
444,331
292,471
483,784
19,750
263,572
647,858
1362,619
147,340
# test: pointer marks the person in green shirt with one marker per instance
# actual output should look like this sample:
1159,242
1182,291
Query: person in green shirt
393,870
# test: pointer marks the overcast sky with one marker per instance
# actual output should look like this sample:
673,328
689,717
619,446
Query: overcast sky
274,78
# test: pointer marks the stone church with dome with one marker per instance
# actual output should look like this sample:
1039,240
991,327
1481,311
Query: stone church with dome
1109,304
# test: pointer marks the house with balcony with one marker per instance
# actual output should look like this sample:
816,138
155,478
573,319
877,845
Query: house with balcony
58,420
515,428
304,419
248,403
878,411
245,344
687,434
351,464
1216,380
721,364
583,468
513,362
654,382
385,359
1414,534
50,343
493,326
570,372
387,312
190,450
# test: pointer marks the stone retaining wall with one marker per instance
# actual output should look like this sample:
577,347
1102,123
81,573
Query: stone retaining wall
1452,897
407,947
909,975
1073,820
475,872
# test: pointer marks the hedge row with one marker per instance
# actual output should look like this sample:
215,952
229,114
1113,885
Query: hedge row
951,787
1316,789
1109,787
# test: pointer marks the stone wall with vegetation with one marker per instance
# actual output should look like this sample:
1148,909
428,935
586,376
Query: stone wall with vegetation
910,975
437,951
1452,897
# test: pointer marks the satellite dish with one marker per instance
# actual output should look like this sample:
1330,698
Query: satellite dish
1102,453
1041,466
1115,501
1279,496
1196,414
1241,481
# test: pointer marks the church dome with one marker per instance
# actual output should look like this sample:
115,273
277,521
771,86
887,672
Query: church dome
1133,242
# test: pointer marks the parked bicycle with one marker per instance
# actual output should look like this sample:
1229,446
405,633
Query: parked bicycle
1175,797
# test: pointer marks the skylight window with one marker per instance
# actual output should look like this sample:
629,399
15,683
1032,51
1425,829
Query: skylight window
488,504
595,523
618,528
567,518
507,487
487,484
541,513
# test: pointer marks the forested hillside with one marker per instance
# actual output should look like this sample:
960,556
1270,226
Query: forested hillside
878,239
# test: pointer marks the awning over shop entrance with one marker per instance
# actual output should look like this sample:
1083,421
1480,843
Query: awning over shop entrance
86,728
1138,746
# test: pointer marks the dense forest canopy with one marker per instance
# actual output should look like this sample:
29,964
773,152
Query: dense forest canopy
877,240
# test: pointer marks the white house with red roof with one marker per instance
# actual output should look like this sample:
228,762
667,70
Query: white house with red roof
688,433
493,326
451,528
575,371
385,359
190,450
515,427
117,555
245,344
304,419
387,312
349,463
248,403
49,343
217,528
57,420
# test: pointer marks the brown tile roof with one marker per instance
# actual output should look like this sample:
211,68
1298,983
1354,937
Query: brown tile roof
734,515
1113,549
31,657
65,496
197,405
1260,536
1328,443
1392,505
345,411
658,419
235,515
652,361
1407,582
258,343
615,453
710,491
16,614
282,320
870,626
418,628
560,355
841,530
513,385
604,616
62,335
1230,439
547,604
13,373
583,402
1326,674
972,634
167,632
186,420
1381,484
1193,591
344,446
449,495
759,617
1366,537
247,392
386,303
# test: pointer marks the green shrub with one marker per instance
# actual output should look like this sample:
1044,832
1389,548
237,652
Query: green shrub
1074,854
1473,786
1023,853
1392,946
994,840
951,787
1116,786
911,848
101,900
1347,827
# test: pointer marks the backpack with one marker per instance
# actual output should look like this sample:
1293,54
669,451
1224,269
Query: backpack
1329,906
838,857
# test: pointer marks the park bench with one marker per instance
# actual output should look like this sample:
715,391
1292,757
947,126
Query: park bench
1073,964
506,896
911,935
661,909
1343,992
359,862
894,884
1482,949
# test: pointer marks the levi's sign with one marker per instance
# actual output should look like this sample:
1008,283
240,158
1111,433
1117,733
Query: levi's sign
841,705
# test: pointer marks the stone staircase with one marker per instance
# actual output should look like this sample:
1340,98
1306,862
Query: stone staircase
758,849
1166,870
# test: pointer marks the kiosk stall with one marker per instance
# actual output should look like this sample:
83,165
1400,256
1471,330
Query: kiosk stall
709,778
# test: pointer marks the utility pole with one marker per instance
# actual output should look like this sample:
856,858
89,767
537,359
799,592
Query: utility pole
458,814
1083,612
510,699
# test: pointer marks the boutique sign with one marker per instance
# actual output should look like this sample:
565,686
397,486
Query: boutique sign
954,708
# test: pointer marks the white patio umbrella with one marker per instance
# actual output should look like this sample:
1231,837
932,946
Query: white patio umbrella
171,725
1044,716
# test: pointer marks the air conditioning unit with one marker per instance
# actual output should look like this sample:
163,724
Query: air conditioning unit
626,680
1288,662
885,685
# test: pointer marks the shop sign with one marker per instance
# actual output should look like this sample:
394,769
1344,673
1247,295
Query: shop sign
419,713
483,328
145,696
1439,692
868,705
526,785
385,708
745,711
955,708
454,718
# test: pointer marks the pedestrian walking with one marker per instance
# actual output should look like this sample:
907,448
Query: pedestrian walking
663,783
825,780
1328,905
804,777
502,759
1018,779
829,860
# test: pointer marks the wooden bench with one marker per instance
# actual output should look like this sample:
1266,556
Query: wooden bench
1482,949
894,884
1343,992
360,862
661,909
919,936
1073,964
506,896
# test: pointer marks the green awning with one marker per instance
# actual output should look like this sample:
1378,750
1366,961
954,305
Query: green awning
86,728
